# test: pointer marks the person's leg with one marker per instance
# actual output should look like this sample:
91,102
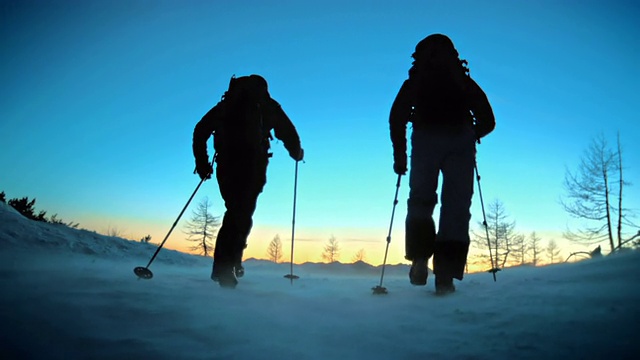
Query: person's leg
222,270
243,218
452,242
419,226
240,184
253,183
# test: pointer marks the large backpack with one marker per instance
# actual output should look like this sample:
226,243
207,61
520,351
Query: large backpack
439,88
243,128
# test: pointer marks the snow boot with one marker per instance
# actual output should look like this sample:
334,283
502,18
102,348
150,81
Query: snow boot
420,237
224,275
418,272
449,259
444,285
239,270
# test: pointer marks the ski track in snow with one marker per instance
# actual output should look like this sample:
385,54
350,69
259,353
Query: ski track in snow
70,293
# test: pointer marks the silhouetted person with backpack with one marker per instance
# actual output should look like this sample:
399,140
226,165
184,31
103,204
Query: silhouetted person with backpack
449,113
241,125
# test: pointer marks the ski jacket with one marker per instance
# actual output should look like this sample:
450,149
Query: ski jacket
430,109
271,117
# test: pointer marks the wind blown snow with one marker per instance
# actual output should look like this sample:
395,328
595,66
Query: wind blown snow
72,294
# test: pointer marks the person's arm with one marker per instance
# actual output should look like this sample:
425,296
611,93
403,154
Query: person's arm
284,130
481,109
201,134
398,118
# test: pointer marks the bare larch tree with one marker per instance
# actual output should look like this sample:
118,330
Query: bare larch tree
553,251
534,248
503,239
202,228
359,256
331,250
591,194
274,250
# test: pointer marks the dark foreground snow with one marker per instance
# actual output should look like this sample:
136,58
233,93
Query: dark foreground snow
69,294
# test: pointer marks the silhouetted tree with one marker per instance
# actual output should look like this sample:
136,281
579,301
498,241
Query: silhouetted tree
331,250
146,239
359,256
553,251
502,236
27,208
54,220
534,248
202,228
520,248
592,192
274,250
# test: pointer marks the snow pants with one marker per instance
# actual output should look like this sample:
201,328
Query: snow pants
451,154
240,182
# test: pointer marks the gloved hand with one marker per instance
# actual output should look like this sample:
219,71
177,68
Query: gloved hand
400,163
476,134
204,170
297,156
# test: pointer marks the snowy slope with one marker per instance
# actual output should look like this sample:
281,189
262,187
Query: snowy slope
70,293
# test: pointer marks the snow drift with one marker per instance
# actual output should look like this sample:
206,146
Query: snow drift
70,293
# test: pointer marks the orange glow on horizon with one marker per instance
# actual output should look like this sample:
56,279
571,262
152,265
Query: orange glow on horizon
309,243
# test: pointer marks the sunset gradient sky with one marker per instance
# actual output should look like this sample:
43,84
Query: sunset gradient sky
98,100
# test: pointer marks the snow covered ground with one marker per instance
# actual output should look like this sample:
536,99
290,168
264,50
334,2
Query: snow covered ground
72,294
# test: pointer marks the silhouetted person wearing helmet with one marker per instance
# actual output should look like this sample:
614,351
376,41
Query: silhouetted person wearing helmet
241,125
449,113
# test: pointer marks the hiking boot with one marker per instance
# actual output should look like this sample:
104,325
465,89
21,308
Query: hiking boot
239,270
444,286
225,276
418,272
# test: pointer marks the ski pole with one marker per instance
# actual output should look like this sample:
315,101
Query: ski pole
484,223
144,272
293,224
380,289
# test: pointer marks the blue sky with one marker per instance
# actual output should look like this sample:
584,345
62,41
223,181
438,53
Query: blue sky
98,101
